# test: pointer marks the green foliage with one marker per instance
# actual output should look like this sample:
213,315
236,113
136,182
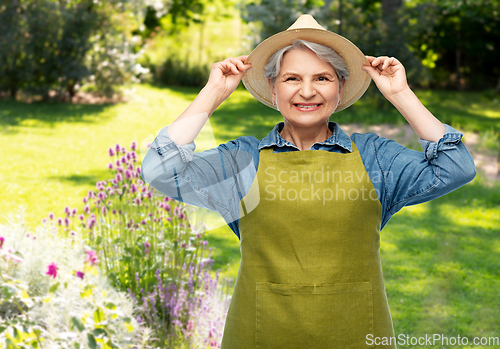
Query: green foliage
60,45
446,44
182,55
62,311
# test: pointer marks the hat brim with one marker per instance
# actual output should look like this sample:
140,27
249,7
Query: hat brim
355,86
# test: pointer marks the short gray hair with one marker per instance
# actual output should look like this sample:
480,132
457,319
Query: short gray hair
325,53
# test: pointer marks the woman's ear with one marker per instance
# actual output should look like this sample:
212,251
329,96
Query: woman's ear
273,94
341,89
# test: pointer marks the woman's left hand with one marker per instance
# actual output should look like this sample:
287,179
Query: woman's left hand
388,73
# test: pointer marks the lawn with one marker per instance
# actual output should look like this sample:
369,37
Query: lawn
441,259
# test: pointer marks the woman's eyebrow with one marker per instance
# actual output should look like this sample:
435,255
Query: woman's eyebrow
317,74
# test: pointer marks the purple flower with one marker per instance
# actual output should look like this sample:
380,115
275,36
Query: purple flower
124,150
138,201
190,325
86,209
117,163
44,220
123,160
133,146
51,216
128,174
52,270
133,187
80,274
91,257
147,245
119,177
66,210
110,165
111,152
91,194
66,221
181,215
104,210
85,200
73,213
117,147
59,221
2,239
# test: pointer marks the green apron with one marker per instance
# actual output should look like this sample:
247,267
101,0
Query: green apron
310,274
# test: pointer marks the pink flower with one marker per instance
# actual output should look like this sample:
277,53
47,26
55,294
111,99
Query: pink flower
85,200
119,177
86,209
73,212
81,217
51,216
59,221
2,239
190,325
133,145
52,270
118,147
66,210
110,165
111,152
124,150
138,201
66,221
213,344
80,274
91,257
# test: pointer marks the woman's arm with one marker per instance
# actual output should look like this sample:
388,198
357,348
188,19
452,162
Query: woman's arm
390,77
224,78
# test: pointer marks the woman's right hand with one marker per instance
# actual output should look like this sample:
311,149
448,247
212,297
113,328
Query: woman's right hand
226,75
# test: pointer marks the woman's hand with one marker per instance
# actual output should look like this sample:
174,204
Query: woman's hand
226,75
389,75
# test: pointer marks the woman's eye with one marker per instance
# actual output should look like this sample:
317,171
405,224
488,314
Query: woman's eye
291,79
323,78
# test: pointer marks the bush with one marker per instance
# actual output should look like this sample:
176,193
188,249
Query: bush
54,296
150,250
59,46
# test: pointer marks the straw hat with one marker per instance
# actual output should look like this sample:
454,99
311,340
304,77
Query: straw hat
306,28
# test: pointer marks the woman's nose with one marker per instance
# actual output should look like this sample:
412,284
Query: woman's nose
307,90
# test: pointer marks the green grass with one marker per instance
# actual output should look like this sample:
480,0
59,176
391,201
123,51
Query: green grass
441,259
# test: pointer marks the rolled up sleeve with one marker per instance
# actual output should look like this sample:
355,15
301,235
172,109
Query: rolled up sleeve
215,179
445,166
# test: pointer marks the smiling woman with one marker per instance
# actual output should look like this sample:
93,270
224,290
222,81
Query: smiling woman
310,274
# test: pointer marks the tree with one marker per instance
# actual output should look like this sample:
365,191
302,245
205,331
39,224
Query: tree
58,45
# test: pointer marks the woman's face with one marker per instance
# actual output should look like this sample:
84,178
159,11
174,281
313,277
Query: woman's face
306,89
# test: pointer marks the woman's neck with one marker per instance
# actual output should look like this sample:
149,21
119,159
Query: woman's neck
304,138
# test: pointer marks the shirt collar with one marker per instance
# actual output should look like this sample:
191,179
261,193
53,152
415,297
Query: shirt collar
338,137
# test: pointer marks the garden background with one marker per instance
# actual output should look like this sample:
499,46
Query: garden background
78,77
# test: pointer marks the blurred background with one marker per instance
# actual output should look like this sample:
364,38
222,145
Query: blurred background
53,49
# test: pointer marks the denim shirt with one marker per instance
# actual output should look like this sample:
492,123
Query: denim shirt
217,179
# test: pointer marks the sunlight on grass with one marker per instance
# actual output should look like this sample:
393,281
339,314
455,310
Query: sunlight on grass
440,259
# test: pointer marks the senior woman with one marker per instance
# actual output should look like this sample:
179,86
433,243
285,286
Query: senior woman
308,201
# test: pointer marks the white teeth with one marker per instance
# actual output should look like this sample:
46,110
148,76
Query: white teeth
307,106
